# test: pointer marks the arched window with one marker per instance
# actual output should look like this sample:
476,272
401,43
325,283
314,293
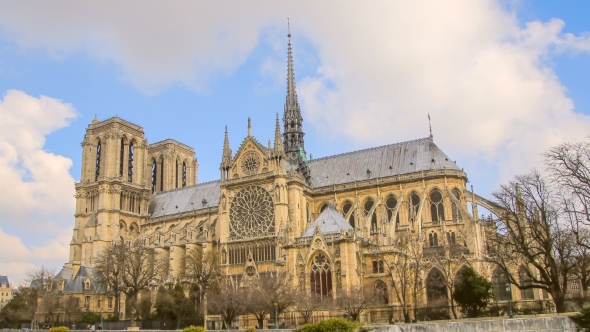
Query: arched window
499,281
130,165
373,217
162,175
525,280
345,210
433,239
176,176
122,157
380,292
455,209
320,278
391,204
98,152
451,240
154,175
323,207
437,210
184,174
414,204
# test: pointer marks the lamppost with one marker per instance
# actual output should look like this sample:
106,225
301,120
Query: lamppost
101,311
508,289
276,304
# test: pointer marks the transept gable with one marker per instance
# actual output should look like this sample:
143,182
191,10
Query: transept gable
250,159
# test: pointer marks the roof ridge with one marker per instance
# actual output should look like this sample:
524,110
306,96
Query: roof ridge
371,149
187,187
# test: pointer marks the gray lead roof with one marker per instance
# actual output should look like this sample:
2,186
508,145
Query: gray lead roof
197,197
388,160
329,222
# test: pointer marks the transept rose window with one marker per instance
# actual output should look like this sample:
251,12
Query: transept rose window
250,163
251,213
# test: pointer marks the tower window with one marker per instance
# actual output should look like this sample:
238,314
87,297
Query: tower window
162,176
122,157
130,166
98,151
184,174
176,176
154,175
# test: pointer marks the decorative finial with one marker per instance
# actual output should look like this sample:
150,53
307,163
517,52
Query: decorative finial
226,129
288,28
95,120
249,128
430,126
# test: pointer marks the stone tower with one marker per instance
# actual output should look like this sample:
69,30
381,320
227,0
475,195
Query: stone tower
292,119
112,195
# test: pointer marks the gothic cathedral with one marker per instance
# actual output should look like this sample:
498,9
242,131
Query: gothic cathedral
323,220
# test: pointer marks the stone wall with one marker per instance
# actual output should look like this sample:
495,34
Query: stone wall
537,324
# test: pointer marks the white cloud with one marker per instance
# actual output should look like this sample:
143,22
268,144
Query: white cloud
485,79
37,196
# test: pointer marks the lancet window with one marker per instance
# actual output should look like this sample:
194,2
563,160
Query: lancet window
433,239
130,164
162,175
451,239
176,176
437,209
121,157
98,153
370,214
261,252
320,277
154,175
390,205
414,204
345,210
184,174
455,209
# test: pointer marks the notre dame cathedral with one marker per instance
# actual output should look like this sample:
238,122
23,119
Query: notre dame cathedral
273,208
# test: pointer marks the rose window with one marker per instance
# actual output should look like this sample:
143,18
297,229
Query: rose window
250,163
251,213
250,272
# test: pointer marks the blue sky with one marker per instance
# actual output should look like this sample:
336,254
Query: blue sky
502,81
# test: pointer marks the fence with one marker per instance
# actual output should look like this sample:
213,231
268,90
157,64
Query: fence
123,324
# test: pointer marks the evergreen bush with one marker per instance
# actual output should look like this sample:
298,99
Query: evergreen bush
193,328
582,319
333,325
59,329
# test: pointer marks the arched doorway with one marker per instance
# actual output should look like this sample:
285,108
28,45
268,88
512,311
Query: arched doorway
436,290
320,277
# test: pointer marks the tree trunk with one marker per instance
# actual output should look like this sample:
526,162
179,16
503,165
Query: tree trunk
205,310
559,301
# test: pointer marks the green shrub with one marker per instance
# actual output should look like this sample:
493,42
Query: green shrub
251,329
582,319
333,325
59,329
193,328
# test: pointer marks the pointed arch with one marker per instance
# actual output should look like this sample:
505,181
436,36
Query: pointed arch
413,206
184,178
370,213
499,281
436,289
346,209
392,208
380,292
455,211
437,209
98,157
320,276
154,175
131,160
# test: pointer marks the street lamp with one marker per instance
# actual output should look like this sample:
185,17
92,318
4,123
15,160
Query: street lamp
276,304
101,311
510,300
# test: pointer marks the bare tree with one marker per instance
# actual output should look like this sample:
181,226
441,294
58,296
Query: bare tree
50,303
405,269
111,264
204,271
71,306
354,301
141,266
38,277
229,300
582,260
276,288
307,303
530,239
569,166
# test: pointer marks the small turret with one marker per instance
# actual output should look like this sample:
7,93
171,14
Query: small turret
226,158
278,139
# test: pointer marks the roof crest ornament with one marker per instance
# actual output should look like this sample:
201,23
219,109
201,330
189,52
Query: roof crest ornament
430,126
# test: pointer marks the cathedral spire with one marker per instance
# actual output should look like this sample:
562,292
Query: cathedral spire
292,119
278,139
227,154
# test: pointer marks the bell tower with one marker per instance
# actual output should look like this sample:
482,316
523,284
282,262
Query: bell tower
112,195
